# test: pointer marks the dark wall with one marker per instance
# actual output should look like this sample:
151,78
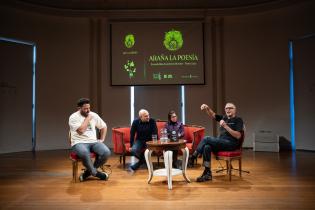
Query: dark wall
246,62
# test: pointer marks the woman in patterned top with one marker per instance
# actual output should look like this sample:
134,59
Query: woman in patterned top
174,127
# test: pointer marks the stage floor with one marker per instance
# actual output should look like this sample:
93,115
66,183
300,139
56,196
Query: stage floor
282,180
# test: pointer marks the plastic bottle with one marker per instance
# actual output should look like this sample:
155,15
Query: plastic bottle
174,136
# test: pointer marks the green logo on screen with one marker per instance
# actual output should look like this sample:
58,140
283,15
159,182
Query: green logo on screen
130,40
130,67
173,40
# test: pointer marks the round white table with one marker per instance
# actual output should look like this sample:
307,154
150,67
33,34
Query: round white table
168,171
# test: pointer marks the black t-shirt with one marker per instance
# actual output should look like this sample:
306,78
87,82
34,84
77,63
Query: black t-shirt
144,130
235,123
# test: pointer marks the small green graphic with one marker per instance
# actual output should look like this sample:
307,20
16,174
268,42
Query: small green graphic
157,76
173,40
130,40
89,127
130,67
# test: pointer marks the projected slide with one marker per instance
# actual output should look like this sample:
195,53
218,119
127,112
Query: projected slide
157,53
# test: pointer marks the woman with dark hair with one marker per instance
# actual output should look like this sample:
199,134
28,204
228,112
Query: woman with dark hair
175,131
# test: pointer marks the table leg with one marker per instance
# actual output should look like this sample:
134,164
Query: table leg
168,159
147,155
184,163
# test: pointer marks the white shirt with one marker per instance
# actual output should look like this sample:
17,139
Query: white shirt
89,136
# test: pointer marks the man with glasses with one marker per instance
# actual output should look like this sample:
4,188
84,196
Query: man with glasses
230,131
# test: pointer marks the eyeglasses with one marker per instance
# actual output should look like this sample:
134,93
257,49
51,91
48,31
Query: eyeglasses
229,107
173,116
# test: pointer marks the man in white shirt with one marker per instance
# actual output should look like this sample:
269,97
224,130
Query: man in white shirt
84,140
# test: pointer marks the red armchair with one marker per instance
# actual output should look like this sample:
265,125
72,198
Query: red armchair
193,135
160,124
121,139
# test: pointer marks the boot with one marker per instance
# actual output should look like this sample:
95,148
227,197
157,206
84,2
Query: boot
206,176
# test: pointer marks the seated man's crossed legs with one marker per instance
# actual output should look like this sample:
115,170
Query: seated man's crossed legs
206,147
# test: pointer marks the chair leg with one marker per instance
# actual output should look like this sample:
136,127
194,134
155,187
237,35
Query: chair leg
75,171
229,162
240,166
221,167
120,159
229,167
158,159
124,161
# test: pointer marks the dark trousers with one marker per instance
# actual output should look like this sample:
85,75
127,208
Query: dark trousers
138,149
175,156
214,144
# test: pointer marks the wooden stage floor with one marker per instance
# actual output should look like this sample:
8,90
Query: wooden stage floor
276,181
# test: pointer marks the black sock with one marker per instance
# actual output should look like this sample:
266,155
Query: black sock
207,169
195,154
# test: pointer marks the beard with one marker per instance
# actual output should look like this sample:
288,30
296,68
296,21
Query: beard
84,114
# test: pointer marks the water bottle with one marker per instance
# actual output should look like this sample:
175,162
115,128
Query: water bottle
163,135
173,136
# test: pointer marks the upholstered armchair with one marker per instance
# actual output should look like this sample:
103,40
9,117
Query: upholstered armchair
193,135
121,141
160,124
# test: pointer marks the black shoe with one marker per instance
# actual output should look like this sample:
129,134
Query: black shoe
102,175
206,176
130,170
84,175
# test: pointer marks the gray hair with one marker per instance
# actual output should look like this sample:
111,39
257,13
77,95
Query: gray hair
142,111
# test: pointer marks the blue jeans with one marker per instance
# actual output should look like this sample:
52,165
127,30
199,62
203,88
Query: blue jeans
213,144
138,149
83,151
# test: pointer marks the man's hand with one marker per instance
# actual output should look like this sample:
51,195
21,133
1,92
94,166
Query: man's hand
208,110
204,107
89,117
222,123
84,125
235,134
130,149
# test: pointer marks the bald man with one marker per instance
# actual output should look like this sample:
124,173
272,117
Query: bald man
143,128
230,132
